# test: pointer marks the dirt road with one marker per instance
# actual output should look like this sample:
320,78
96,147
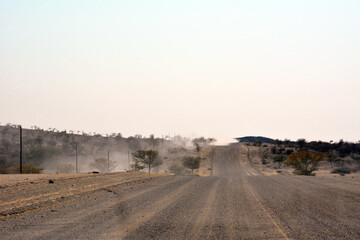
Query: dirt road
237,202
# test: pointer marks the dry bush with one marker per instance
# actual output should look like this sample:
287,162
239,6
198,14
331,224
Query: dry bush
305,162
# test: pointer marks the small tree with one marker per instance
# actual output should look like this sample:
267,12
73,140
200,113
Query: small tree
305,162
150,158
192,163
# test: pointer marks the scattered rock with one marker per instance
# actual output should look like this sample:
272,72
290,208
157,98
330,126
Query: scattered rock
31,182
51,181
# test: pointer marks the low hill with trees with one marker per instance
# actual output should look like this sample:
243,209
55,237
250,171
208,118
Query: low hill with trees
252,139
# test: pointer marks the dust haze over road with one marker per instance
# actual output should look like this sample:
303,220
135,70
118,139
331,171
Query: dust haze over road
237,202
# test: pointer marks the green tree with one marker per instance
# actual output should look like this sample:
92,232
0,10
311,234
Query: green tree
192,163
149,158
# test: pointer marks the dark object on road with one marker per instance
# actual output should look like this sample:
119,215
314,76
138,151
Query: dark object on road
51,181
96,172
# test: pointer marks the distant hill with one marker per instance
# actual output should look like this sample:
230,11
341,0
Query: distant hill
253,139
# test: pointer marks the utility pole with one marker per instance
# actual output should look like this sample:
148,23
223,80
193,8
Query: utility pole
21,154
76,158
108,160
129,158
212,153
162,143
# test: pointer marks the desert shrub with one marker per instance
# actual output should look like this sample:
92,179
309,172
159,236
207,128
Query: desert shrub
356,158
305,162
342,170
279,159
176,169
257,143
332,159
31,169
289,151
26,168
192,163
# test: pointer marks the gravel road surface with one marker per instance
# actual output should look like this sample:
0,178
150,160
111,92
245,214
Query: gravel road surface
237,202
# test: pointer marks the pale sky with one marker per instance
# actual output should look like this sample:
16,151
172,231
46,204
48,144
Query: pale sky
223,69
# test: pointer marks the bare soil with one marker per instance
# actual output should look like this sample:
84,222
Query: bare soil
21,193
10,179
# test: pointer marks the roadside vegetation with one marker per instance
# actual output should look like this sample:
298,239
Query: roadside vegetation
146,158
54,151
305,162
192,163
306,157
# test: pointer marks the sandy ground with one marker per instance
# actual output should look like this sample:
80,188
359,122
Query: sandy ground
327,174
10,179
22,194
237,202
205,164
